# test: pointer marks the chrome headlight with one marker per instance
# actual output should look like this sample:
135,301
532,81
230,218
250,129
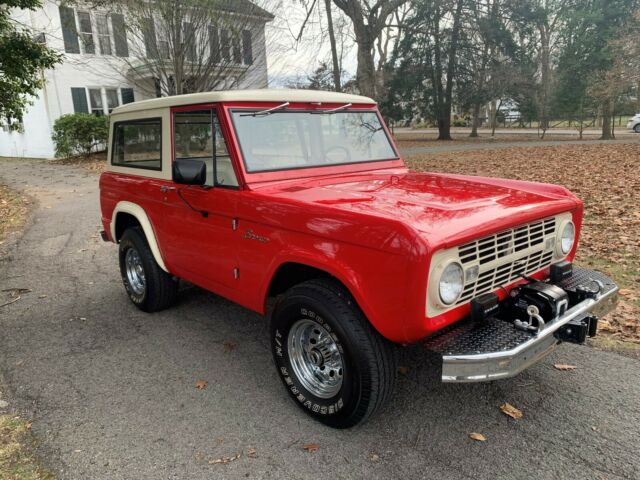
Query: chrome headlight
451,283
567,238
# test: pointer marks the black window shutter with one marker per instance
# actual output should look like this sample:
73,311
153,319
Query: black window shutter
69,31
149,34
190,41
247,48
120,35
79,97
127,95
214,45
225,45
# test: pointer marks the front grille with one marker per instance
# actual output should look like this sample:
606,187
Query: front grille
501,244
504,257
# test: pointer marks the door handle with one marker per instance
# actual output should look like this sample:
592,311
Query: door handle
165,189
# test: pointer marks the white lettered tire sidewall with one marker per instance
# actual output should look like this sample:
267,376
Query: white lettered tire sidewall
368,360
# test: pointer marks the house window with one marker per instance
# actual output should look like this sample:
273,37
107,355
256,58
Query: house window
138,144
86,32
237,50
104,37
112,98
95,99
163,50
99,100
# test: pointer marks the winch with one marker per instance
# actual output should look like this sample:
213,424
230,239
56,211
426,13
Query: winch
536,303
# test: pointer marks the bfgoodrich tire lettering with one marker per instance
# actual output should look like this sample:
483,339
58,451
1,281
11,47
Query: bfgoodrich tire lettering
367,360
151,289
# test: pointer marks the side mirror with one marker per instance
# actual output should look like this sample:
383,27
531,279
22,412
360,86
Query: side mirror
189,171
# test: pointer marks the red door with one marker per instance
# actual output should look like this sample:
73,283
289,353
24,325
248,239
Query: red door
199,220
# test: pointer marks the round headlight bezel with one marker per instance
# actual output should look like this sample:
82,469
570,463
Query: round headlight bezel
562,238
451,264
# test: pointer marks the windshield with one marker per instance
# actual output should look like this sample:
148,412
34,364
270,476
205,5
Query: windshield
287,139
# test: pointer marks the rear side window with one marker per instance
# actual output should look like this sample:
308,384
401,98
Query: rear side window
138,144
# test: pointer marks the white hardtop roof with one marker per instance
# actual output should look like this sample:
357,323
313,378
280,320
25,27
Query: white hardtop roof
264,95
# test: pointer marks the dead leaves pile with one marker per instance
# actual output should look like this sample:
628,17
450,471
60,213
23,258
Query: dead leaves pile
606,177
13,211
96,162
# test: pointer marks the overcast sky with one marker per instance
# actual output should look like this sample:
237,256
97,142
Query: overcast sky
289,59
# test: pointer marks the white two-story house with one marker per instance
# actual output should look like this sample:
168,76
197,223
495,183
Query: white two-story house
111,58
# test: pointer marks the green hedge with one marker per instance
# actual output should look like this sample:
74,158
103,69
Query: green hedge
80,134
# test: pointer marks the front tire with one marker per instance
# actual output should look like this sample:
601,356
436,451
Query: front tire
637,128
150,288
335,366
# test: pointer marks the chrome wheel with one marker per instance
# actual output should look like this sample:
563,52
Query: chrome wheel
135,271
315,358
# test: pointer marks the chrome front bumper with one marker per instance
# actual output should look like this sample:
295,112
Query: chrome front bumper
491,350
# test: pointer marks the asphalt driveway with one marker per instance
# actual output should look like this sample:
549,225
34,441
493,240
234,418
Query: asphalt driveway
112,395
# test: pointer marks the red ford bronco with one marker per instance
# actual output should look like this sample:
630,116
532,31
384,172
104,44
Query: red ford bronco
302,196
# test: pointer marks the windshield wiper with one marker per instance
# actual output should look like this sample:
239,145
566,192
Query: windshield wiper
333,110
268,111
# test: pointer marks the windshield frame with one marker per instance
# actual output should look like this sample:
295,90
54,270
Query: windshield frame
315,111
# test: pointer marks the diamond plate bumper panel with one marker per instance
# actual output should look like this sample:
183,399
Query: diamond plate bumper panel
491,350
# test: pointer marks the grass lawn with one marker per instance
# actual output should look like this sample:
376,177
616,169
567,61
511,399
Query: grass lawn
16,460
606,178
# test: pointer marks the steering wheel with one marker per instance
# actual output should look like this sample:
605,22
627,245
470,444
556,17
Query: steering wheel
346,152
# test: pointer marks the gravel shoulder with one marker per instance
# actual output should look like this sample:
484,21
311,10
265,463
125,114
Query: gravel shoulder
112,395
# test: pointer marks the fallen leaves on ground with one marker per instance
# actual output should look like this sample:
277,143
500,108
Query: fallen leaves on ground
477,436
201,384
96,162
224,460
511,411
229,346
311,447
251,452
374,457
606,177
13,211
564,366
430,139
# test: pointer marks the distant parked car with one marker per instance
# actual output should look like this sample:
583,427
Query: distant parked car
634,123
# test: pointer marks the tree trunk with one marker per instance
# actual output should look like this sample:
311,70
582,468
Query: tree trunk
366,71
545,69
606,120
444,128
334,50
475,121
445,133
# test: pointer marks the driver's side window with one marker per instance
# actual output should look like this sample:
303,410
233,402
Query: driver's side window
197,135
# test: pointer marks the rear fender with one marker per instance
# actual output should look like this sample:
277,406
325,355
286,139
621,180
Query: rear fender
138,212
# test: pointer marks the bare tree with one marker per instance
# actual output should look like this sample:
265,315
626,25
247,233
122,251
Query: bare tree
186,46
369,22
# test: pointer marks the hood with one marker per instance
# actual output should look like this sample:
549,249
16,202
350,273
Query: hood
445,209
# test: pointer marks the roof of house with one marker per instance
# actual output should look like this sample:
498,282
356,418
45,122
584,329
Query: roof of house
263,95
243,7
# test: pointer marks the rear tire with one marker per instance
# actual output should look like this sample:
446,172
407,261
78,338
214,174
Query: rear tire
333,363
150,288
